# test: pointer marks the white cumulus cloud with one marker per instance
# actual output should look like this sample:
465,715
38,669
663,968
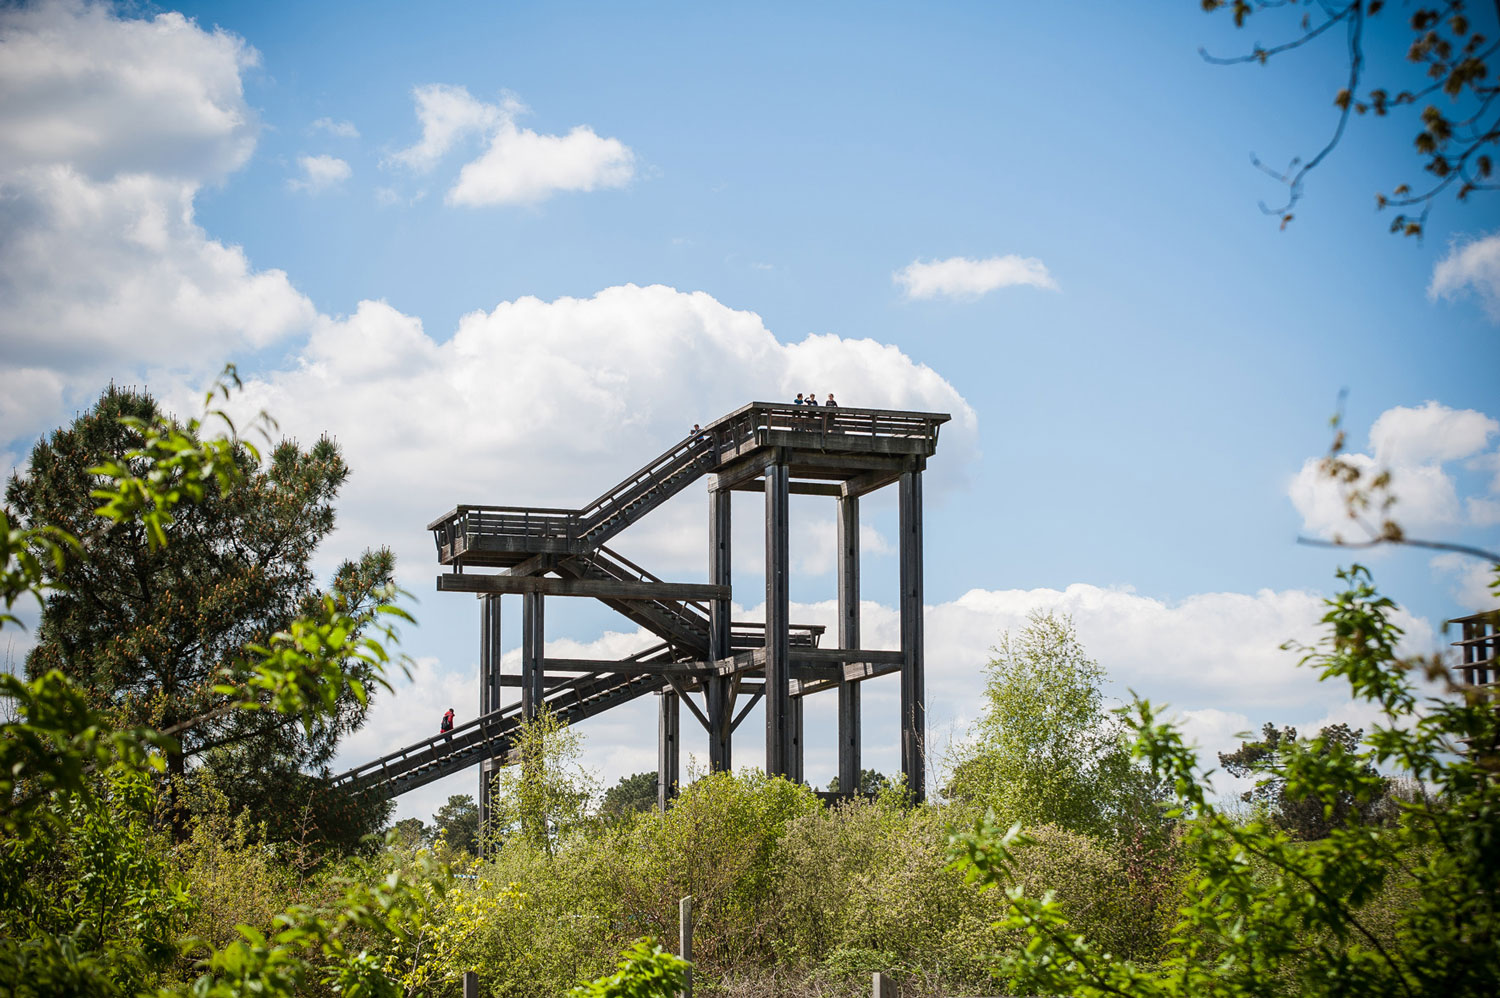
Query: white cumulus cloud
319,173
1417,445
448,115
109,95
518,165
555,400
965,279
109,126
1470,266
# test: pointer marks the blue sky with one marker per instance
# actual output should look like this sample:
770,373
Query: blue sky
643,216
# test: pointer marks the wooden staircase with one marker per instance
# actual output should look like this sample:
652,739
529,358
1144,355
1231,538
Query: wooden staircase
838,452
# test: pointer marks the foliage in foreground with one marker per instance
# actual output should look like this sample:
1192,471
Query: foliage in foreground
645,971
149,610
89,904
1271,915
94,900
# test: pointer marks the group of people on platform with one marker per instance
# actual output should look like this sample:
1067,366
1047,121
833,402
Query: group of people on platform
812,399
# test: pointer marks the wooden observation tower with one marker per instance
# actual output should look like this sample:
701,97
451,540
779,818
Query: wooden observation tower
717,667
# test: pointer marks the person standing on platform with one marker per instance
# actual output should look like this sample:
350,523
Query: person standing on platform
830,401
798,400
447,724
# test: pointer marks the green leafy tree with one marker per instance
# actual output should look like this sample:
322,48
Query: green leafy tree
458,822
1436,78
1305,817
87,906
148,612
634,794
547,795
870,782
1409,908
1046,750
411,832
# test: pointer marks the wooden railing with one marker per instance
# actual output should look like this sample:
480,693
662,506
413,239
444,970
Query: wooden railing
650,483
679,458
744,425
510,521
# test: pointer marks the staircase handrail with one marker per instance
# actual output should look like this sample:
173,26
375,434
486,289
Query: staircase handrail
693,446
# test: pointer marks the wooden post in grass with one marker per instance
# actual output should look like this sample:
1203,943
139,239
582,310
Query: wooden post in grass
685,941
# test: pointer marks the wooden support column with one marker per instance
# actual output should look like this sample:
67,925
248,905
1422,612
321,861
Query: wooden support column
489,697
718,692
668,747
778,555
533,636
794,732
913,681
849,728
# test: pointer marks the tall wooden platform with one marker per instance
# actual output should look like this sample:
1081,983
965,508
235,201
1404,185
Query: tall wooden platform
714,667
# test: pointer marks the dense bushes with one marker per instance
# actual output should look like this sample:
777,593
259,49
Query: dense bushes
788,893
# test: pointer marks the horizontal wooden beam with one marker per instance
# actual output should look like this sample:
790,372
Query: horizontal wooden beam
796,488
627,667
549,682
597,588
737,472
869,482
847,656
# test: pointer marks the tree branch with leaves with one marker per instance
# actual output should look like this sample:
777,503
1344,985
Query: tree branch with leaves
1447,77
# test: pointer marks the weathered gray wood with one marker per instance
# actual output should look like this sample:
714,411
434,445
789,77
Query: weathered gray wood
683,695
858,485
851,444
796,488
489,696
720,574
778,557
668,748
471,984
795,719
882,986
533,641
877,664
486,789
718,695
548,682
841,656
755,698
718,692
913,684
732,474
629,667
685,941
833,465
844,452
848,601
596,588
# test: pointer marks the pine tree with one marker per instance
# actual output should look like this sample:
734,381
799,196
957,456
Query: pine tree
149,631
